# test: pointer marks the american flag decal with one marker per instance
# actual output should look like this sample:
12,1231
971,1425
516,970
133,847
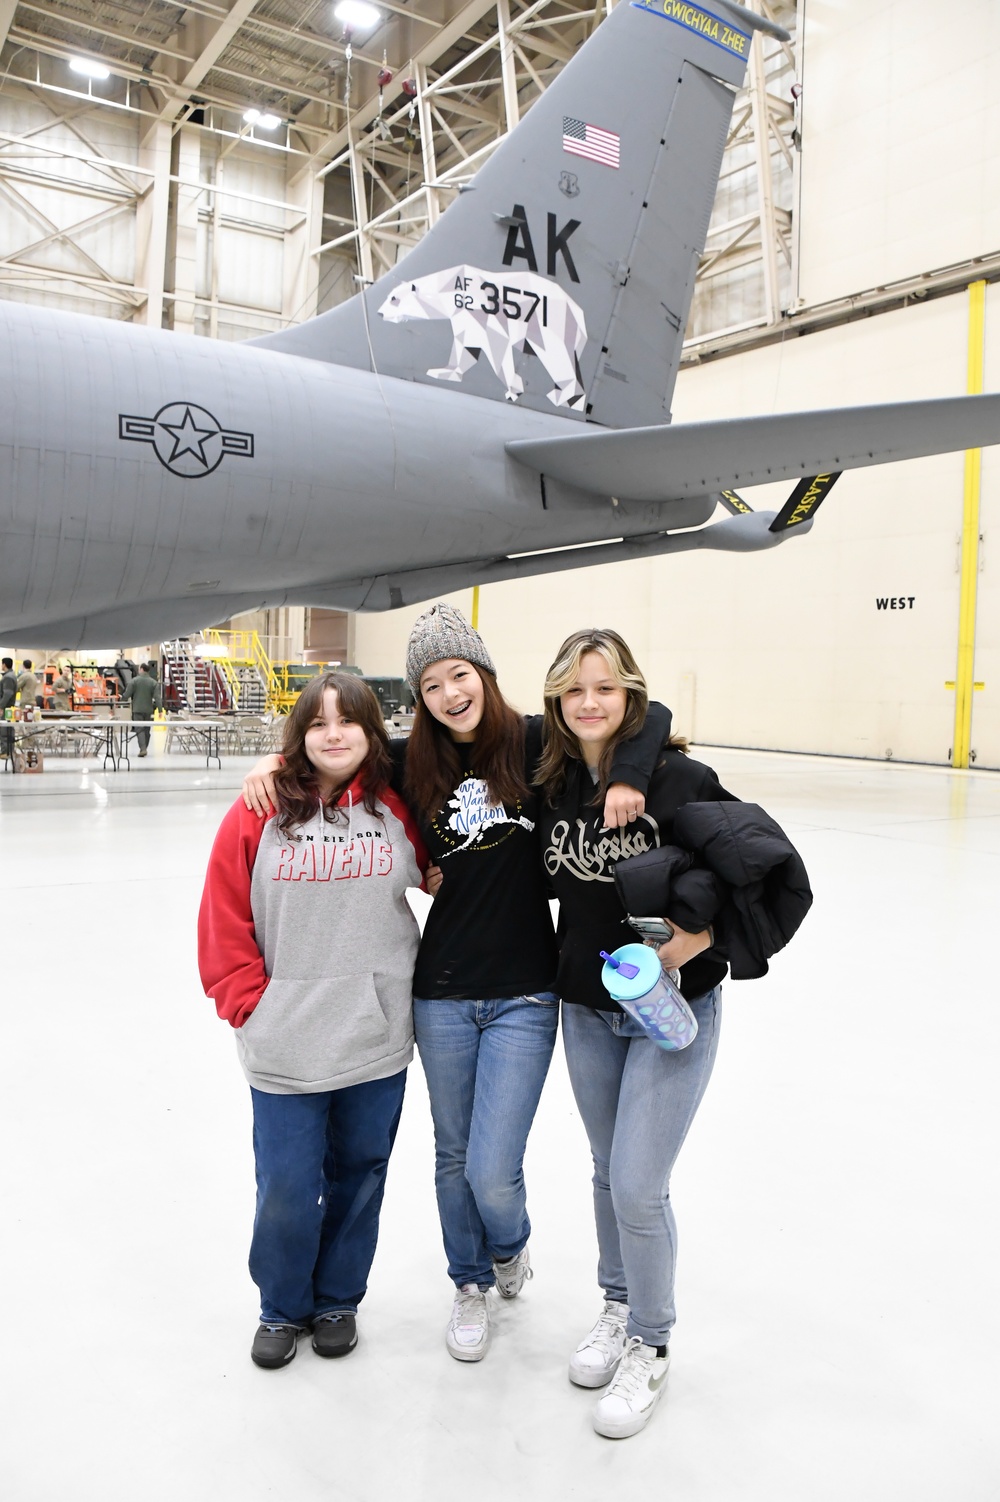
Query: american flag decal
591,141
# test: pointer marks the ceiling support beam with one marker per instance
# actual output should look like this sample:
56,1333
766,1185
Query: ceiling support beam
428,54
151,224
210,43
300,267
184,261
427,145
7,9
508,76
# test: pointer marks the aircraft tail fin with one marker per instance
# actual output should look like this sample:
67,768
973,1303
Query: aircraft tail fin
562,276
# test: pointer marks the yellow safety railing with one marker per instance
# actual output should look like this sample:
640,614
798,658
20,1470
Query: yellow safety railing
290,676
244,649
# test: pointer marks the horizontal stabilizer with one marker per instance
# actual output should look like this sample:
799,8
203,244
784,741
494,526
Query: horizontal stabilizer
703,458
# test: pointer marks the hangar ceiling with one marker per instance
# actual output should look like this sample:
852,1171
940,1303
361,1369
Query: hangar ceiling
152,194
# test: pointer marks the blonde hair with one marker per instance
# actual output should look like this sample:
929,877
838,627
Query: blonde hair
560,744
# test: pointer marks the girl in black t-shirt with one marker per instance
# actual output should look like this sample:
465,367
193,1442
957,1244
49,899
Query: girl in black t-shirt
485,1009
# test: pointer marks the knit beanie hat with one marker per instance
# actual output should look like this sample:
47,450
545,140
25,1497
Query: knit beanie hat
443,632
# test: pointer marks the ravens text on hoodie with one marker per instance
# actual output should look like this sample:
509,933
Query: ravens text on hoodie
307,944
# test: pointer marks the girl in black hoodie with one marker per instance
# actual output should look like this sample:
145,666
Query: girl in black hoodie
636,1100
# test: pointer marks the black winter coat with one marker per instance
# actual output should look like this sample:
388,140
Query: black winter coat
764,893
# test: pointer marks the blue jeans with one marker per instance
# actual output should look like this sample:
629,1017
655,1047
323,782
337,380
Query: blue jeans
321,1166
637,1102
485,1063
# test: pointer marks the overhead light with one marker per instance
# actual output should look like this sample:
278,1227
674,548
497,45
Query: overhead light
357,13
88,67
259,117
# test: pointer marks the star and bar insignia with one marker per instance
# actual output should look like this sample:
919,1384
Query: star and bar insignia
186,439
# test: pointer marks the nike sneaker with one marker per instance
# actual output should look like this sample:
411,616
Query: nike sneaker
628,1404
596,1358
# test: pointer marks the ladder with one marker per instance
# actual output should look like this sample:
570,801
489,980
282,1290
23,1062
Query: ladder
191,682
253,684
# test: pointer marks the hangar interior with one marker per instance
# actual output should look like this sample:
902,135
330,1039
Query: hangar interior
227,169
235,173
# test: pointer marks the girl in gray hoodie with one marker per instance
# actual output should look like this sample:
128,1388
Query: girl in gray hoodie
307,945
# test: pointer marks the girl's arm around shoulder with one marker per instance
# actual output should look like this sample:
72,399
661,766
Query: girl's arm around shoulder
632,766
229,959
258,784
393,801
635,760
397,753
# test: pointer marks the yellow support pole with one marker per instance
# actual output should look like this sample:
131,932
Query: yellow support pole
475,607
965,669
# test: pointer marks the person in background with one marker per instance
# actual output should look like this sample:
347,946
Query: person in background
8,685
62,688
8,694
306,943
124,670
27,684
144,694
636,1100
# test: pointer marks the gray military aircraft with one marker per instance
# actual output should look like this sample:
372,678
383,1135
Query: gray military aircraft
491,408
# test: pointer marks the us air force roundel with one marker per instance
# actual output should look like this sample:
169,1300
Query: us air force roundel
186,439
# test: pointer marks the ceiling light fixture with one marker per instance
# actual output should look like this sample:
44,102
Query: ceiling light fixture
260,118
357,14
88,67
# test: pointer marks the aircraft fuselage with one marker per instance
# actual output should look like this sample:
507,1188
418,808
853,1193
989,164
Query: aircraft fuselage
139,466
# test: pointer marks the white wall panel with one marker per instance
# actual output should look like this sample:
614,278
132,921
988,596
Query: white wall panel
250,268
900,120
262,179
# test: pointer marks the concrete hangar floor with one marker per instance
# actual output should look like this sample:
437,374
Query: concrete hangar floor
837,1320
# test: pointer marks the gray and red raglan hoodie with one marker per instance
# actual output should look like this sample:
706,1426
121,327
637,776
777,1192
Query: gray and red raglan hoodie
306,943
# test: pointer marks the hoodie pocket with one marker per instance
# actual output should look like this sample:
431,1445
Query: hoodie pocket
307,1031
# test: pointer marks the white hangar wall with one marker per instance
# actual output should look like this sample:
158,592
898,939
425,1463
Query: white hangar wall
900,124
790,649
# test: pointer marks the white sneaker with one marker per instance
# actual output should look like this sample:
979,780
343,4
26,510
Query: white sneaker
468,1334
596,1358
629,1402
511,1276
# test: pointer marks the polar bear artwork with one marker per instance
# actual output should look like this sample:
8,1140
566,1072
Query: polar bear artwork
494,319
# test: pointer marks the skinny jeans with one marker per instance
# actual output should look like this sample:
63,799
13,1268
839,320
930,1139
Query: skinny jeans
637,1102
485,1063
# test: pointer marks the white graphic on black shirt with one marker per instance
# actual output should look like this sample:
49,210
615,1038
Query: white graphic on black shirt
588,853
475,818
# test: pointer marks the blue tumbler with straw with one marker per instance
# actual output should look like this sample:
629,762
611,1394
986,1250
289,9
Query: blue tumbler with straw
634,977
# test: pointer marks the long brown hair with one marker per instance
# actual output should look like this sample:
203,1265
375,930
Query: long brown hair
433,764
296,785
560,744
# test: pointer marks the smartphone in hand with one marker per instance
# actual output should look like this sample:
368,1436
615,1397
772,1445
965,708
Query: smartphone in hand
655,931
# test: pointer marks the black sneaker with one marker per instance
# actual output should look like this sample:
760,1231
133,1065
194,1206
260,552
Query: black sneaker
335,1334
274,1345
